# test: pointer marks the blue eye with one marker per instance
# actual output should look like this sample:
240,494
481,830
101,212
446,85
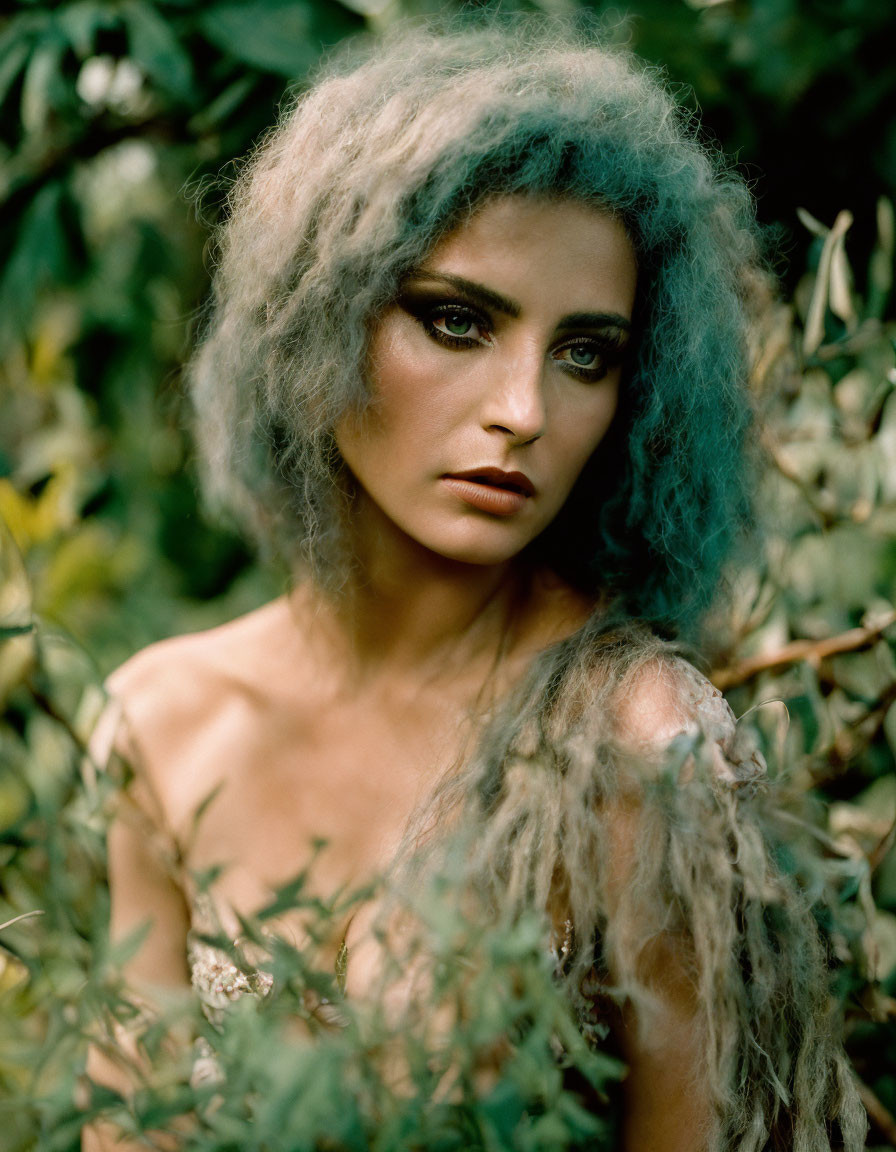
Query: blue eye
583,360
592,357
584,357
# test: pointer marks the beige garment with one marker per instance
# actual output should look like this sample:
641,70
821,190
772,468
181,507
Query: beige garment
736,759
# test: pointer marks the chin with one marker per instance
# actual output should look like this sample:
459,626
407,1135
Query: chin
481,558
481,552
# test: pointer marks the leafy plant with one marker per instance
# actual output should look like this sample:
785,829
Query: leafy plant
109,112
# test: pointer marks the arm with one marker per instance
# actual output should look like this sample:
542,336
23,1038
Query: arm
144,896
666,1099
664,1030
722,941
145,893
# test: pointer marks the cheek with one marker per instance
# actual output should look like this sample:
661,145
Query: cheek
403,379
589,423
417,391
405,408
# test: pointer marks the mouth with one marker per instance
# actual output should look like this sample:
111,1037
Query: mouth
491,491
517,482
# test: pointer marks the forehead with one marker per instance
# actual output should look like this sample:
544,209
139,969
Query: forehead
532,248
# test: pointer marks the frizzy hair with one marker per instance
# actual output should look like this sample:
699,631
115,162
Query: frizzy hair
391,148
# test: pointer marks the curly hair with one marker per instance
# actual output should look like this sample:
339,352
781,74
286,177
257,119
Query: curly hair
393,146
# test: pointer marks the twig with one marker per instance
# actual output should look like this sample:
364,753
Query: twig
813,651
876,857
880,1117
827,517
850,345
885,1007
834,846
24,916
47,706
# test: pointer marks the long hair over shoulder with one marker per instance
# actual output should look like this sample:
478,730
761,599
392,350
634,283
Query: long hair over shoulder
395,144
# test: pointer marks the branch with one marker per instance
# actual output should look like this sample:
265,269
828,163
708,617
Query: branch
882,850
880,1117
813,651
47,706
826,516
24,916
80,143
852,344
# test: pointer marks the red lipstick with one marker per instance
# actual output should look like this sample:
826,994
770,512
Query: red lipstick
491,490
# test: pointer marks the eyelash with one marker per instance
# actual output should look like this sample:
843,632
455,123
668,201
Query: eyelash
429,315
608,350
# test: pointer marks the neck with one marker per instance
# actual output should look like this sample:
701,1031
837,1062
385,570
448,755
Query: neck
408,609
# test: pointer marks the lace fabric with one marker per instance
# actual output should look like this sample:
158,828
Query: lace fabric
736,759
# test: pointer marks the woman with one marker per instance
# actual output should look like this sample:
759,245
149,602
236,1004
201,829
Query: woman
475,366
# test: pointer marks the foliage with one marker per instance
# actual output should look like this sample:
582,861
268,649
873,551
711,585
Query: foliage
108,112
800,94
111,111
813,624
293,1081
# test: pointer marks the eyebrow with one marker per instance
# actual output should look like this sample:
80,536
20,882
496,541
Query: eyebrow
488,298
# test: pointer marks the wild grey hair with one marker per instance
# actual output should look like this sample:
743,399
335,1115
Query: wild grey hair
392,147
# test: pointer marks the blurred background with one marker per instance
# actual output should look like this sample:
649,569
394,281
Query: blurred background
120,123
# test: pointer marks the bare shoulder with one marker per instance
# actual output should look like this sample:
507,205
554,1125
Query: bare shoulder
211,646
182,668
170,700
665,697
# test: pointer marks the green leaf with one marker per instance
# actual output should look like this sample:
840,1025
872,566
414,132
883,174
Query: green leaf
156,48
866,675
21,29
10,66
503,1109
9,631
282,36
890,728
81,22
224,105
40,255
43,88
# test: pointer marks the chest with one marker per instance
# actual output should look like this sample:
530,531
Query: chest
260,789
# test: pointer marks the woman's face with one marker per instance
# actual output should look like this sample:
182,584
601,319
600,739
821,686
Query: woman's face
494,375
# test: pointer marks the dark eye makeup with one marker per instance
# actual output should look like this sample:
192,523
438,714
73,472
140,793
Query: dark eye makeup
454,323
428,308
597,353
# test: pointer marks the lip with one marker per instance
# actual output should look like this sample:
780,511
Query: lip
491,490
497,478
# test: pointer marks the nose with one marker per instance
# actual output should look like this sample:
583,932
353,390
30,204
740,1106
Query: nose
514,402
